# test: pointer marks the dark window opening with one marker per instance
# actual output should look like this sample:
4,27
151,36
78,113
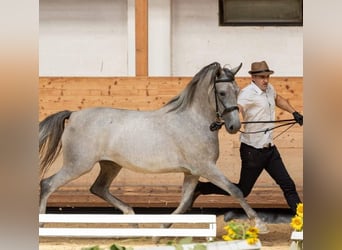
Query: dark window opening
261,12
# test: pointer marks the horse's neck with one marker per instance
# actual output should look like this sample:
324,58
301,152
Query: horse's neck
203,105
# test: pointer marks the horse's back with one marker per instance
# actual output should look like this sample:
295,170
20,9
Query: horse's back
100,123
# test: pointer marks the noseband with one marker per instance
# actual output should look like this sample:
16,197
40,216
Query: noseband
216,125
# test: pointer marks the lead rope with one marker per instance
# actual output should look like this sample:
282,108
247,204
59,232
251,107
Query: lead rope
290,123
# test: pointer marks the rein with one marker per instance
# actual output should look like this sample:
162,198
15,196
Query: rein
290,123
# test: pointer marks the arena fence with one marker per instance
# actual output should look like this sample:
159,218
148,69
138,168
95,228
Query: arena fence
108,225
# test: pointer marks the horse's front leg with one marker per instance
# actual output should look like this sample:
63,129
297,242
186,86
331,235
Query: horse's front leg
189,185
215,176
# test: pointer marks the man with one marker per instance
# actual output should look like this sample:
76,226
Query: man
257,102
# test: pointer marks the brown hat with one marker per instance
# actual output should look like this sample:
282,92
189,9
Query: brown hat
260,68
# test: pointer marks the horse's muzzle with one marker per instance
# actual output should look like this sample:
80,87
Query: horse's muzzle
232,121
233,127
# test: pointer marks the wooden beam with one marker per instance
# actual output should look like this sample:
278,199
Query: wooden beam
141,37
166,196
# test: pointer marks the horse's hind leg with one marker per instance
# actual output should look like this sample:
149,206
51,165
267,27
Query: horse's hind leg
66,174
109,170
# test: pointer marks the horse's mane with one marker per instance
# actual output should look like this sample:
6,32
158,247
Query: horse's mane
184,99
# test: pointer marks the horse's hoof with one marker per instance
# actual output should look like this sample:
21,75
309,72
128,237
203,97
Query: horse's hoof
263,229
155,239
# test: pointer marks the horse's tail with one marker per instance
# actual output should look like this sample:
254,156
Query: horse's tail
50,133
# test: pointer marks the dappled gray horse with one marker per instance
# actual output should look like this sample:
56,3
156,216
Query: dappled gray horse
174,138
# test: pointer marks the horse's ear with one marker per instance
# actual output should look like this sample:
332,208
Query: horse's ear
236,69
218,69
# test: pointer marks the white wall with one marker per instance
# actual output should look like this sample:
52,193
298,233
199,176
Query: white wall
159,32
198,40
96,38
83,38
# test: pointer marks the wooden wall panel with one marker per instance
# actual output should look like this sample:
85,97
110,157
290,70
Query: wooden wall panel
141,37
139,93
149,93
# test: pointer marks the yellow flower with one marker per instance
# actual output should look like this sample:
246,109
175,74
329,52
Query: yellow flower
253,230
252,240
226,237
297,223
300,209
231,232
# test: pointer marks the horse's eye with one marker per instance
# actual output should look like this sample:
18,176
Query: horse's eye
223,94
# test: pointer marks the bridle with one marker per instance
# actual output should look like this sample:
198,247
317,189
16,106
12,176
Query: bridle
217,124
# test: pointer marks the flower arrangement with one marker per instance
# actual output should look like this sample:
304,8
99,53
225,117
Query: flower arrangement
297,224
297,221
241,231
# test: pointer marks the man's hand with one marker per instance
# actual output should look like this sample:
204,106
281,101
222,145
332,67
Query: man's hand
298,117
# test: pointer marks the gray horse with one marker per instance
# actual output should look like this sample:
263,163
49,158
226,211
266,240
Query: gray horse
174,138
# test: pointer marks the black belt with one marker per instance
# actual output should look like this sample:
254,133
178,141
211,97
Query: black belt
268,145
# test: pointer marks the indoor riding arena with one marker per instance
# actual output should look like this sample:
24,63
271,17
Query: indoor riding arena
138,55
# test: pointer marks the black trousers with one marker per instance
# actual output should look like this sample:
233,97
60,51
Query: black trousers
253,162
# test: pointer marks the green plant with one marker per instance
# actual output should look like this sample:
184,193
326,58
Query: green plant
241,231
112,247
92,248
187,240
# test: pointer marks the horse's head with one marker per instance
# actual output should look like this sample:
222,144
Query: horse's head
222,81
226,92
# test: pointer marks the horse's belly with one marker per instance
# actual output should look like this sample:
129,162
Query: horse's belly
156,169
151,166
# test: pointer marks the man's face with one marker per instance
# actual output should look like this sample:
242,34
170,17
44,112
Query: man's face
261,81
